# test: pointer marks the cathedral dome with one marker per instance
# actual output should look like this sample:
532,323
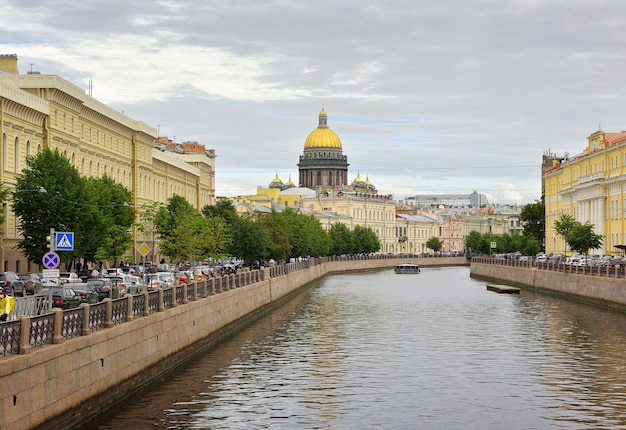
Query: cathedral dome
322,136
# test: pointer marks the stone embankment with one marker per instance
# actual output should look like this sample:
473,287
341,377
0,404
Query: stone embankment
62,383
604,287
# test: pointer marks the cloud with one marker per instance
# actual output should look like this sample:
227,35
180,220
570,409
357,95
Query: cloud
453,96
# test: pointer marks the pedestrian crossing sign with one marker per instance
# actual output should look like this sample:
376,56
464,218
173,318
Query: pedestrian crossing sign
65,240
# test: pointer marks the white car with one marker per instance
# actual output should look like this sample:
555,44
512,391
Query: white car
162,280
68,278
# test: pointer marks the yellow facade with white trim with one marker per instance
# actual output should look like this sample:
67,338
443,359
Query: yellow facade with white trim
590,187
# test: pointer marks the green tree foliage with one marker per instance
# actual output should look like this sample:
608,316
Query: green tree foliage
341,239
564,225
223,209
533,219
525,244
65,206
472,241
184,235
280,248
112,218
365,240
581,238
252,241
434,243
306,234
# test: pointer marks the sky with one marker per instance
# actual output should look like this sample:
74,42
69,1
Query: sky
427,97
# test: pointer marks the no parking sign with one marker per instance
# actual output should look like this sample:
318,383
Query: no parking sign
51,260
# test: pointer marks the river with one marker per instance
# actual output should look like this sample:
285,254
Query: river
377,350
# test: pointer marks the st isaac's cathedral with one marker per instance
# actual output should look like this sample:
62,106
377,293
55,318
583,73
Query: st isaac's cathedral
324,190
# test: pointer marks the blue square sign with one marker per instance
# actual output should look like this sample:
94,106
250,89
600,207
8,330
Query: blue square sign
64,240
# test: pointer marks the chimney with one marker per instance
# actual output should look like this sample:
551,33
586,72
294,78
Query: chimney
8,63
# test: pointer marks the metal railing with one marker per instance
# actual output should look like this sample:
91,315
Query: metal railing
590,270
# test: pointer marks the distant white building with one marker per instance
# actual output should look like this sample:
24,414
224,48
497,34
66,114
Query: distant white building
448,200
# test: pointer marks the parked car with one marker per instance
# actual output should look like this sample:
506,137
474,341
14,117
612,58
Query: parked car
86,292
162,280
69,277
62,297
138,285
12,284
102,286
32,282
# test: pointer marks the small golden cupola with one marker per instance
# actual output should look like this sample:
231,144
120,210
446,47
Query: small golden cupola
277,183
358,181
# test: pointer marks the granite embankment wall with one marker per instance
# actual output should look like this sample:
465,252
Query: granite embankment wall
62,384
603,291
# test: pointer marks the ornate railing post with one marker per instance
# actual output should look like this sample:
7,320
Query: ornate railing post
85,330
129,308
57,335
25,334
108,320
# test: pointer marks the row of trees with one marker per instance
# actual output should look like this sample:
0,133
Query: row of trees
218,231
579,237
50,193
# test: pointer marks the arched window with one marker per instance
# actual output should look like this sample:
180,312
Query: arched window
16,155
27,148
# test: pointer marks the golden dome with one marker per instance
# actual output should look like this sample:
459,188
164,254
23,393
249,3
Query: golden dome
322,136
290,183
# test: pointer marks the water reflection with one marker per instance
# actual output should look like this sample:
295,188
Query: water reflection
381,351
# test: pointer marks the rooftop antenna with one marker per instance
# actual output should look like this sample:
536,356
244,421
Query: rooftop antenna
31,67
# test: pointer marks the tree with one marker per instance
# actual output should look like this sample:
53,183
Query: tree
341,239
533,219
252,240
277,226
306,235
112,218
365,240
526,244
434,243
472,241
582,238
564,225
50,193
190,240
179,227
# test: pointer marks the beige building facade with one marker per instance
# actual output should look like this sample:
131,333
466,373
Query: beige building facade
45,111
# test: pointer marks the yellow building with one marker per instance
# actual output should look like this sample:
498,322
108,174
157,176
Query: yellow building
591,187
38,111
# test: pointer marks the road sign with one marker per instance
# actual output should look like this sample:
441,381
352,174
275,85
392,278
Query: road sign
51,260
65,241
143,249
50,273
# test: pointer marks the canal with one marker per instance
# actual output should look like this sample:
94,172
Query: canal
377,350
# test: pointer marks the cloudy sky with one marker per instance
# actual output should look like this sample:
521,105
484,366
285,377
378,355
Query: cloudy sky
446,96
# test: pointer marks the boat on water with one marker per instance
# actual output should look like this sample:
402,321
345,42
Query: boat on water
407,268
